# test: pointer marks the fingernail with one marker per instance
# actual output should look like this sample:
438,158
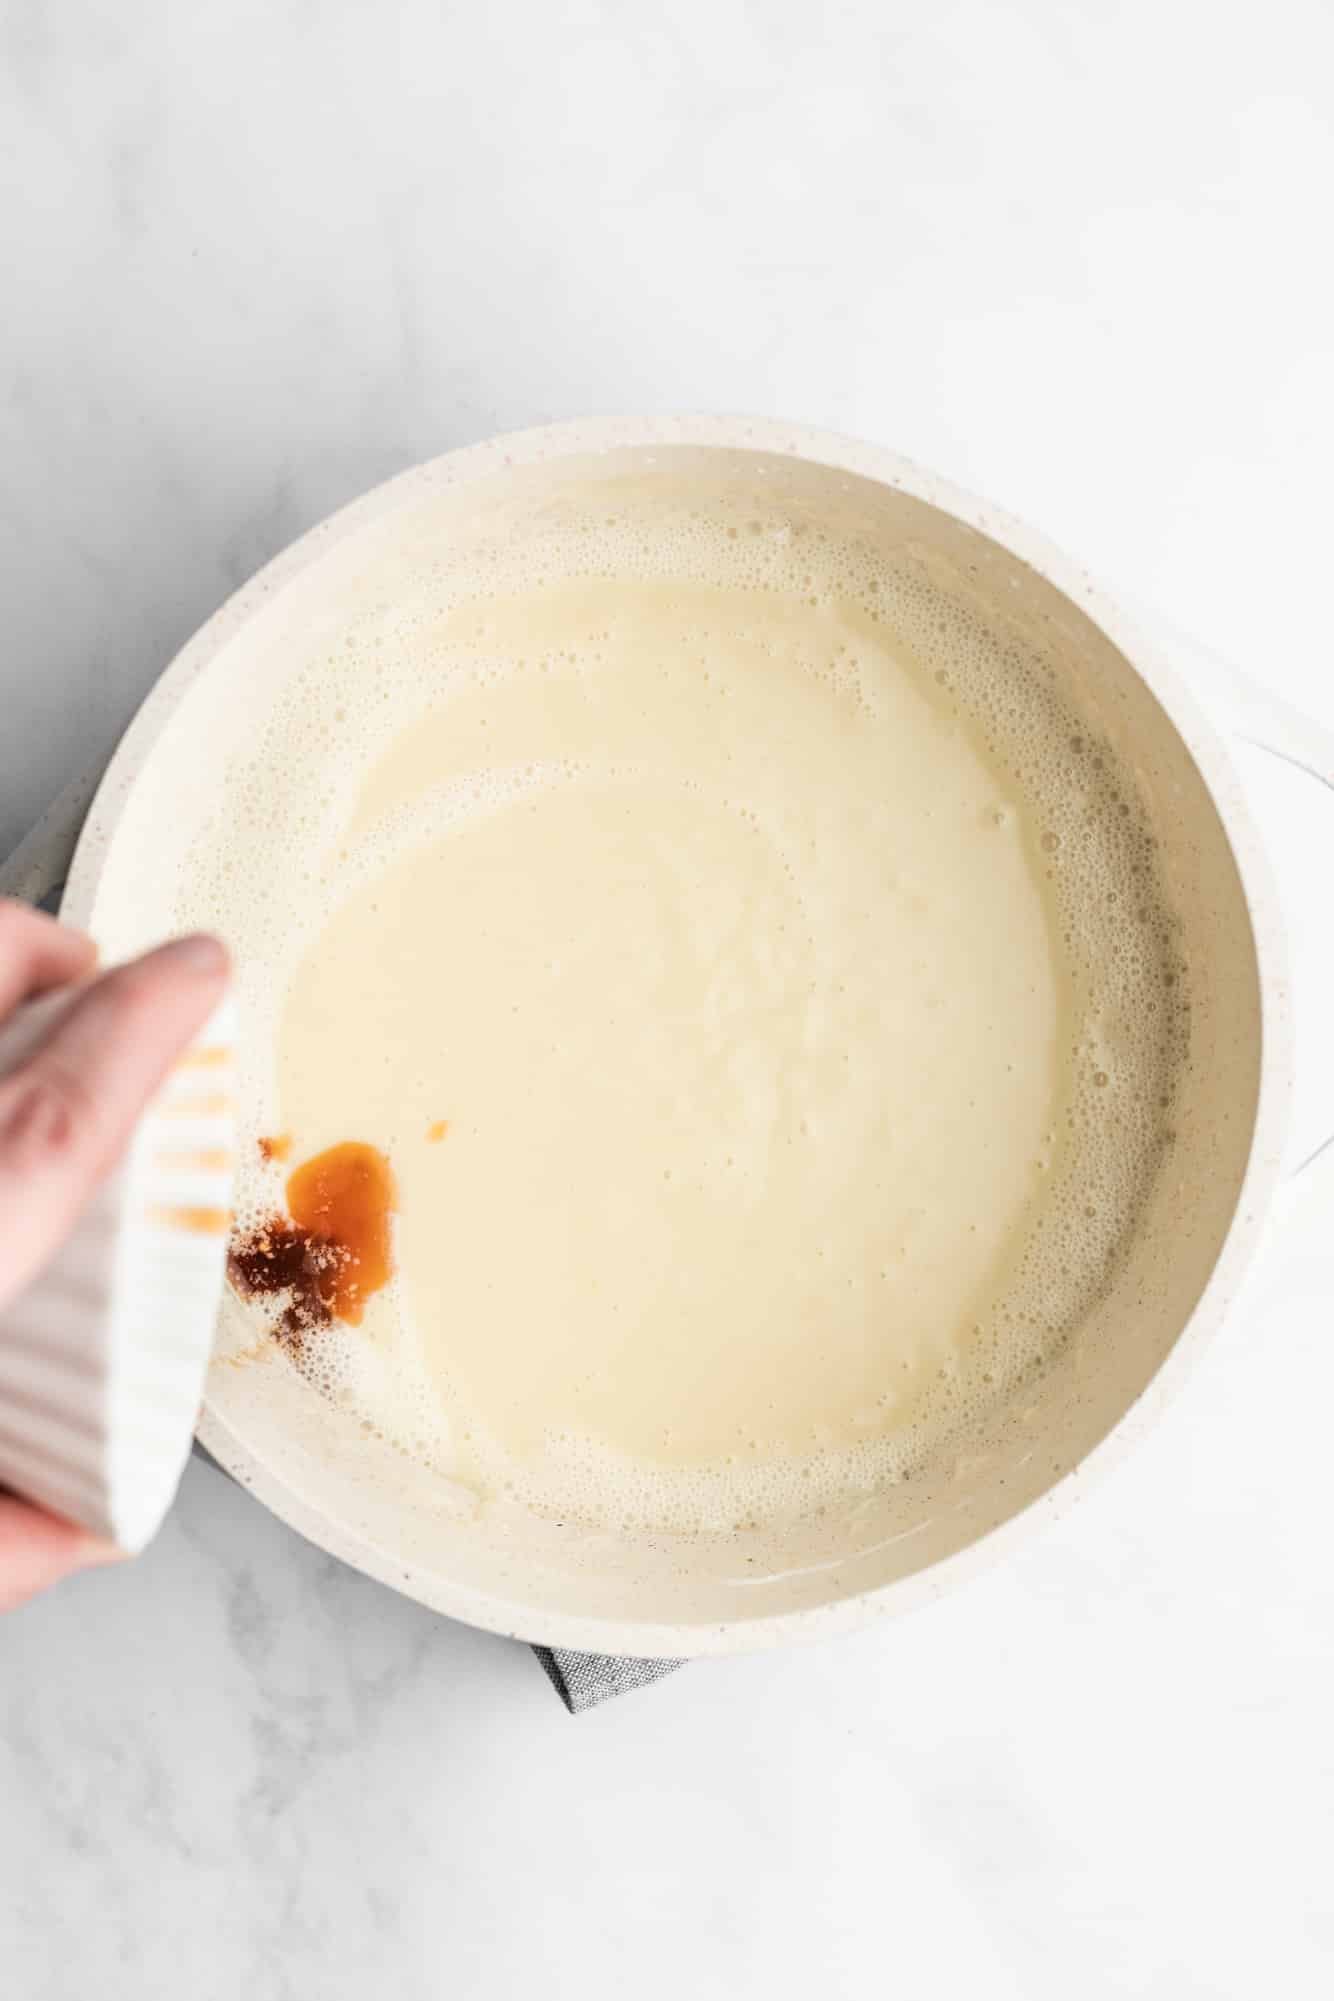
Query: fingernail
198,954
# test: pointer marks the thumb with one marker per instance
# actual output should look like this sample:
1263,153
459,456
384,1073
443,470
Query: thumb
37,1549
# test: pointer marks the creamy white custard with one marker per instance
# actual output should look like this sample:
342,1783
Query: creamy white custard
755,973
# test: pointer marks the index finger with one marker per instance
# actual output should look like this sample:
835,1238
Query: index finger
67,1112
36,953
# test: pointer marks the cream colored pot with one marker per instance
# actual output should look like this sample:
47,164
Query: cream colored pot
309,1463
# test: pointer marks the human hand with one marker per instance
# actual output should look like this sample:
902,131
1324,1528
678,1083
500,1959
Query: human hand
66,1115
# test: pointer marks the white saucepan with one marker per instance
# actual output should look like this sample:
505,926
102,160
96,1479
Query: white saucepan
308,1462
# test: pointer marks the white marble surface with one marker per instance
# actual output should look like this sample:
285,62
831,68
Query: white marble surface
259,256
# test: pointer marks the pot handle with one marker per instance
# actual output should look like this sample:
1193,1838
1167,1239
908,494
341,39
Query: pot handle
1270,724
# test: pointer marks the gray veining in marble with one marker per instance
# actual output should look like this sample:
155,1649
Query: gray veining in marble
259,256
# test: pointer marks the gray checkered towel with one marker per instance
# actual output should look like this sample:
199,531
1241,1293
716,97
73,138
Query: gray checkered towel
583,1680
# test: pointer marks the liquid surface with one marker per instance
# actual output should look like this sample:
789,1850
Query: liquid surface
755,975
346,1196
331,1250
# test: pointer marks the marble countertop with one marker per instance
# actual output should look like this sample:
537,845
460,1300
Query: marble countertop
261,256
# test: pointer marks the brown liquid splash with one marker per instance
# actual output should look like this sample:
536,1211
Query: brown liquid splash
331,1251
